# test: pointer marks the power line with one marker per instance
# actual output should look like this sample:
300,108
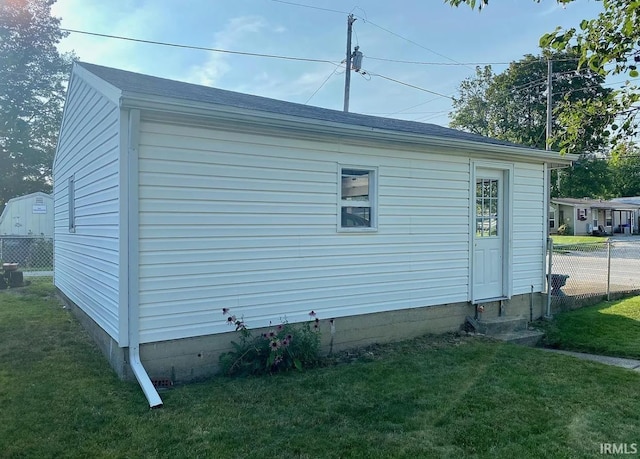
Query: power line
465,64
413,42
414,106
243,53
322,85
366,20
201,48
432,116
409,85
569,91
311,6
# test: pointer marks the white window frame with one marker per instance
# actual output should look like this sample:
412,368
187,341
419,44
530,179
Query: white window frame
72,203
372,203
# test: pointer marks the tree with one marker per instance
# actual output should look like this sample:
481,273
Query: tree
32,87
588,178
625,169
472,108
608,44
512,105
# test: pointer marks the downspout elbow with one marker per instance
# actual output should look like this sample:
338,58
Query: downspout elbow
143,378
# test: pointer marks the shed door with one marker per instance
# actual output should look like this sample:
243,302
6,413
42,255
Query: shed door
489,238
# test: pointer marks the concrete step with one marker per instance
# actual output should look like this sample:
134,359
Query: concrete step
500,325
522,337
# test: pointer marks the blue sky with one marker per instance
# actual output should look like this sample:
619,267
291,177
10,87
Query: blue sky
412,30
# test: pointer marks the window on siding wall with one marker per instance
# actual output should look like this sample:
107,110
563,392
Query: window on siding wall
357,198
72,204
552,217
607,217
487,212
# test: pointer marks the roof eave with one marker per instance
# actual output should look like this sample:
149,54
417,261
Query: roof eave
276,120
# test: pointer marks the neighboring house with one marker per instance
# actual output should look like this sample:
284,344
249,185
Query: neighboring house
28,215
174,201
582,216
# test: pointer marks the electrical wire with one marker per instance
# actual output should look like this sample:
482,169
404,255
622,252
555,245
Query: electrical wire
407,84
311,6
465,64
322,85
431,116
414,106
202,48
414,43
366,20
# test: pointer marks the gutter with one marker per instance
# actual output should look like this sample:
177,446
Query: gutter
138,369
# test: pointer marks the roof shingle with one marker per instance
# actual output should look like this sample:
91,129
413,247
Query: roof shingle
154,86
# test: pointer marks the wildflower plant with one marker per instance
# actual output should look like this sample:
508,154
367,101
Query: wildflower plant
282,347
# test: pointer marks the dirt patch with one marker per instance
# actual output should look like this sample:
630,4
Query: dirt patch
375,352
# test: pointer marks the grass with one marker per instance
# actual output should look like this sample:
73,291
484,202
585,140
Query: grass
442,397
568,240
608,328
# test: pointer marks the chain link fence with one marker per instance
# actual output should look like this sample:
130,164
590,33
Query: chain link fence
579,272
33,255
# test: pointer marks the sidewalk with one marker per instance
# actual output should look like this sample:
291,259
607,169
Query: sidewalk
630,364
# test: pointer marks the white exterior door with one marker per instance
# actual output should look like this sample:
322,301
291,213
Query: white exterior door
489,235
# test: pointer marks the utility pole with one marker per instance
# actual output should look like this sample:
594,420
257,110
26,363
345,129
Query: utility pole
549,101
347,73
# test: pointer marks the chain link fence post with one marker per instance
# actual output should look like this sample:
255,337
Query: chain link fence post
549,272
608,270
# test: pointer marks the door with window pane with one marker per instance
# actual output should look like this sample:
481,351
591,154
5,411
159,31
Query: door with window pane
488,260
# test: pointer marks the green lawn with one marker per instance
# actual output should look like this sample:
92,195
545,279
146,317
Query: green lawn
567,240
608,328
435,397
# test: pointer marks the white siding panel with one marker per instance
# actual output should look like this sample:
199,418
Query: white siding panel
86,262
248,222
528,228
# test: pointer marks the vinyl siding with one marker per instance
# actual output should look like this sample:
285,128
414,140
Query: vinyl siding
87,261
529,228
249,222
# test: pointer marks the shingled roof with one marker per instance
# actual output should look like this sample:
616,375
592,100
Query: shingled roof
596,203
130,82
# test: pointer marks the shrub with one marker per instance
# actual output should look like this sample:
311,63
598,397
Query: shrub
283,347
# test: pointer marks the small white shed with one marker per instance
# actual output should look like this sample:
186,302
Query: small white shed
28,215
174,201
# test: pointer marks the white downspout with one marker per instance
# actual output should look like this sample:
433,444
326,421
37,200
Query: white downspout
133,261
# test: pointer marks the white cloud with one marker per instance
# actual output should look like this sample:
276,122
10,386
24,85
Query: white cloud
217,65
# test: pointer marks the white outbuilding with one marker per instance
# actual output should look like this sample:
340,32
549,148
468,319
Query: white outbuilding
174,201
28,215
